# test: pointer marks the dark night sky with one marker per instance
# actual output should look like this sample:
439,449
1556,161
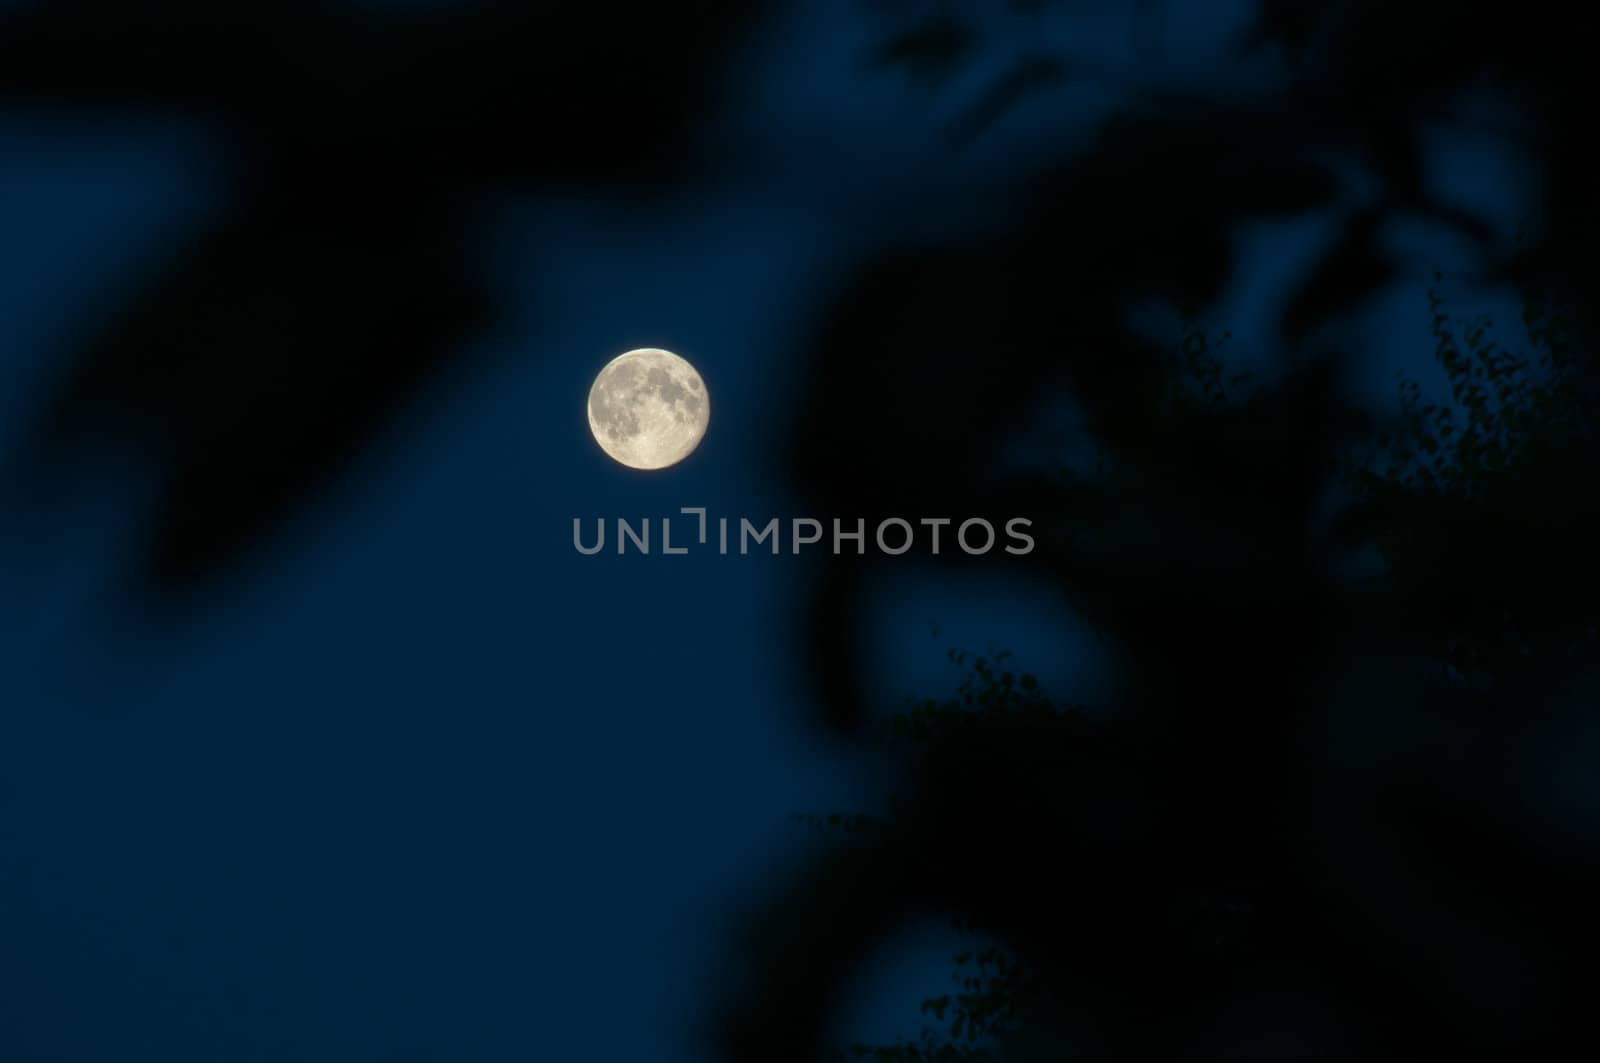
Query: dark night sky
421,782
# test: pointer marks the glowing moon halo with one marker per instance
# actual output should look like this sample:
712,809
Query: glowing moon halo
648,408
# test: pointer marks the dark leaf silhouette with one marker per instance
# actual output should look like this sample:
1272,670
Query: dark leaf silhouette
278,346
1027,77
931,49
340,279
1303,826
1356,268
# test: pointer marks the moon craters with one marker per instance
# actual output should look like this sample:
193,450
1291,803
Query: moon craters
648,408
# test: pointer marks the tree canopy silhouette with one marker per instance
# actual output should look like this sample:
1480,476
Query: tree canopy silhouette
1519,415
1311,823
343,274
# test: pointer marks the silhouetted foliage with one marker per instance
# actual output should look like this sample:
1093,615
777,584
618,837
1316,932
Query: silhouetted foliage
342,276
1290,834
992,985
1510,414
1484,477
1293,833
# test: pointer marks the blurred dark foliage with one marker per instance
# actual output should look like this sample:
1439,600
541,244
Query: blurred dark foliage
1286,840
1312,825
343,274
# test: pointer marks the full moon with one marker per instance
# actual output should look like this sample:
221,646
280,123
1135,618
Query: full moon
648,408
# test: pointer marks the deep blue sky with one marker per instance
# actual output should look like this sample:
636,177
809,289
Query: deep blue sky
422,782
